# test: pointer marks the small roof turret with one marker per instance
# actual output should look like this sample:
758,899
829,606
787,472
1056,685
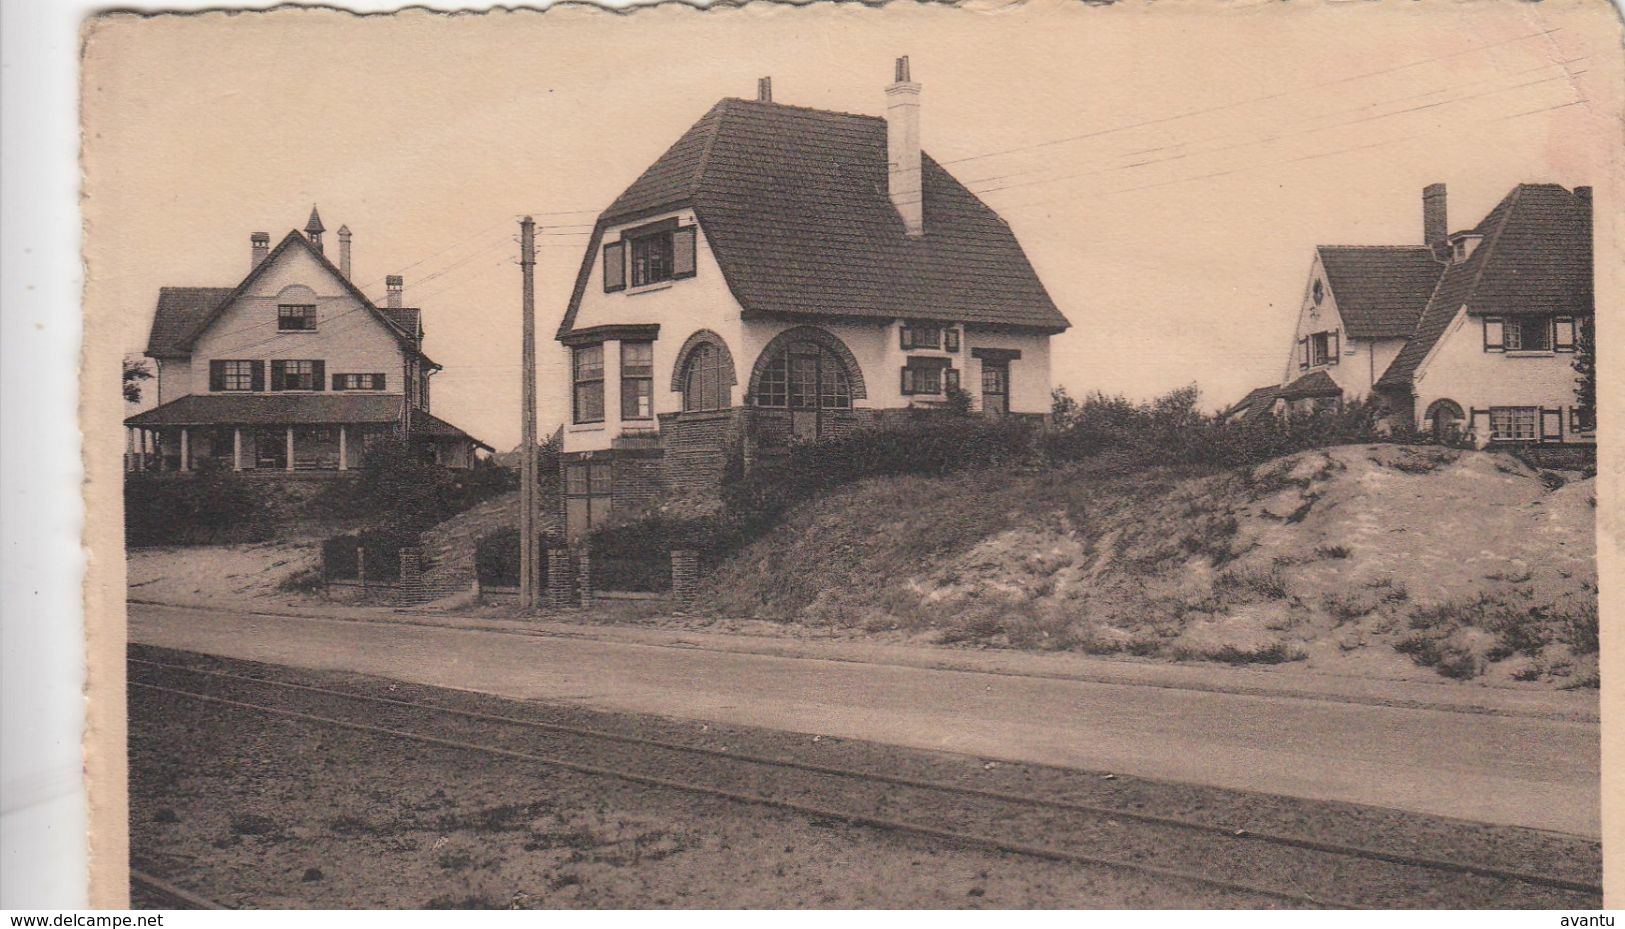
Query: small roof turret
315,227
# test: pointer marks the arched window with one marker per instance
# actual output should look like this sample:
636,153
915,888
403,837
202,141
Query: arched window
804,376
1445,420
706,379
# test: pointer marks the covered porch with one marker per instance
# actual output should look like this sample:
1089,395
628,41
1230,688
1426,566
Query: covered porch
281,448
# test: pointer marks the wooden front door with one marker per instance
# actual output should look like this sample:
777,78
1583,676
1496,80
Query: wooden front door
995,387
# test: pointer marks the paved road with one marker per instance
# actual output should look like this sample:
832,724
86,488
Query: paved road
1514,770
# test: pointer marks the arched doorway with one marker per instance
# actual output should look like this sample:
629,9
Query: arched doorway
812,377
1445,420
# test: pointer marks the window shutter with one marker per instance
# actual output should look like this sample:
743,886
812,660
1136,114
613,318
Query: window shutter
1494,334
278,375
614,267
1337,347
1563,334
1303,354
257,377
318,375
338,382
908,381
951,339
950,379
682,252
217,375
1551,425
903,340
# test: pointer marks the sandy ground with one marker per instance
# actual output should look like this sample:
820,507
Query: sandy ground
215,574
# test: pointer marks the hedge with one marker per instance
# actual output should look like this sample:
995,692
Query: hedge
212,507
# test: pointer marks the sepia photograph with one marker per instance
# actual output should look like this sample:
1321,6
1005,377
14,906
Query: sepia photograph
1024,456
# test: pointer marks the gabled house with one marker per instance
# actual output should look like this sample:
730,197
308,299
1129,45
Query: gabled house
291,371
1470,334
785,274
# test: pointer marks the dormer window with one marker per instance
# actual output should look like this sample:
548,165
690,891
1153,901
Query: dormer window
650,254
296,317
1461,247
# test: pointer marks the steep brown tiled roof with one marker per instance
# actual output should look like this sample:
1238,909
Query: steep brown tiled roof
1380,290
185,312
1257,404
272,410
180,310
1313,384
1535,258
793,203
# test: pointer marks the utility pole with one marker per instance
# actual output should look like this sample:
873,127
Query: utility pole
527,471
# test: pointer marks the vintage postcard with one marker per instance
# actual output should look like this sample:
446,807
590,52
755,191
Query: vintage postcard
1013,456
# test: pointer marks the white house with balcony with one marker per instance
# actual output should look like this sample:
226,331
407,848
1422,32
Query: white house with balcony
785,274
1470,334
291,372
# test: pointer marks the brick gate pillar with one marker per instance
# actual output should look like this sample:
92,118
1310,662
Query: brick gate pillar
560,578
584,575
685,576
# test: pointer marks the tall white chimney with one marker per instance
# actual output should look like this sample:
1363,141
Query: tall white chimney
903,150
344,251
259,246
392,288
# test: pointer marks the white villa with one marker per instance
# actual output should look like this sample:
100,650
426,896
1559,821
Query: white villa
783,274
1471,333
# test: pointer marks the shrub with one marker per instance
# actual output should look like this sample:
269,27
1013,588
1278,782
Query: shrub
496,557
1172,430
212,506
394,487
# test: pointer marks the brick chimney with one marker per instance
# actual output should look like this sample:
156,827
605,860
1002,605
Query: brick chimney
259,245
344,251
392,287
903,150
764,89
1436,221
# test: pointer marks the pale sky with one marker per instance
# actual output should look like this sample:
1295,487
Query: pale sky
1168,169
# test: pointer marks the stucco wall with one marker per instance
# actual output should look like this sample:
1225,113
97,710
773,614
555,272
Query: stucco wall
174,378
348,338
1460,370
1360,362
704,301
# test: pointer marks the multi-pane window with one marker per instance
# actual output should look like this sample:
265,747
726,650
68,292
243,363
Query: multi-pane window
358,382
588,368
296,375
950,339
922,377
651,258
921,335
705,385
1528,334
804,376
588,487
234,375
637,380
296,317
1514,423
650,254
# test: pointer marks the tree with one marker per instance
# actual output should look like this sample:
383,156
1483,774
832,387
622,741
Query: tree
135,371
1585,365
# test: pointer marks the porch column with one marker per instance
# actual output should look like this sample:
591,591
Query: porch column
344,451
236,448
186,449
158,449
290,448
